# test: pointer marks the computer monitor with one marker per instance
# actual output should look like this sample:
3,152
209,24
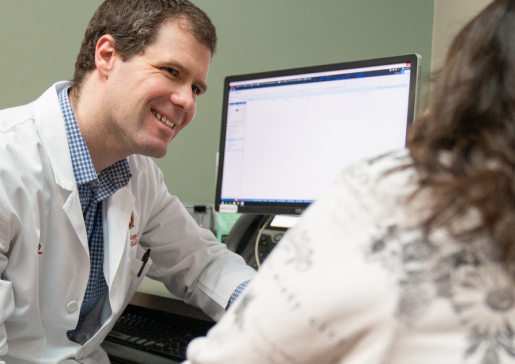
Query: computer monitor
286,135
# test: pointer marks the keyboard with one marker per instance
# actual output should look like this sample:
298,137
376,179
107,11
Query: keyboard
158,333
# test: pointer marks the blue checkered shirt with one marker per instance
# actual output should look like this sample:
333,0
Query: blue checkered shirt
237,293
93,190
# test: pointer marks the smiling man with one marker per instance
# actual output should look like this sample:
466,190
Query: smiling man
141,104
82,201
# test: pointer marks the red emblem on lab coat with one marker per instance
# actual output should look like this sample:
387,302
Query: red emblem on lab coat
131,222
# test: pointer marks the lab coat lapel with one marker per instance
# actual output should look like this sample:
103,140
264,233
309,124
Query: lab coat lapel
73,211
52,131
116,217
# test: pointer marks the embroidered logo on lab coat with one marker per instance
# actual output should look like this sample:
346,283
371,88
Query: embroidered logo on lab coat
133,237
39,249
131,222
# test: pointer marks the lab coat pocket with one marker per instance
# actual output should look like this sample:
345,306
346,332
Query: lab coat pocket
135,266
128,282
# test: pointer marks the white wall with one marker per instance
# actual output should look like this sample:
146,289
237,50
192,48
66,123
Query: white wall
449,17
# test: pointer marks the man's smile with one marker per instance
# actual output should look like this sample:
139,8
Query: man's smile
163,119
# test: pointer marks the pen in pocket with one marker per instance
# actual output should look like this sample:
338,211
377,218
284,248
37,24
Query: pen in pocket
144,259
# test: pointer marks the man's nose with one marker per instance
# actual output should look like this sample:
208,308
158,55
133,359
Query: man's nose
184,97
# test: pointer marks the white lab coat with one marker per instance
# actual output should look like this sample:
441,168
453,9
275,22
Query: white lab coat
44,256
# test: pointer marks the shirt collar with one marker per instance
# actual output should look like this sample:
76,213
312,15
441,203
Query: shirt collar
83,168
110,179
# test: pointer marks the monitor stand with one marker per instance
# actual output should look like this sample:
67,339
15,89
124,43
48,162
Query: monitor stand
255,235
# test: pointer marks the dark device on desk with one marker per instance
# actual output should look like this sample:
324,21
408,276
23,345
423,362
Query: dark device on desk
143,335
253,238
286,135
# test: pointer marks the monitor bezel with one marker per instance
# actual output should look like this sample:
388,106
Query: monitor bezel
291,208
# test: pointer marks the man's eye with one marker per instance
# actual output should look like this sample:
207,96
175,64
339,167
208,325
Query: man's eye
172,71
195,89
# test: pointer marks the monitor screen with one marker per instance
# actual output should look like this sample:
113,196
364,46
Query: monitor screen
286,135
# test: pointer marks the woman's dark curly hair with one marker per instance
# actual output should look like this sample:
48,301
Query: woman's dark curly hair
464,145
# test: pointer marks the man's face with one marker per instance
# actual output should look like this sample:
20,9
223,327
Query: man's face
153,96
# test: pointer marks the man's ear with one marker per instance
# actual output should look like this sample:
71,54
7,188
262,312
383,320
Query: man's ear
105,54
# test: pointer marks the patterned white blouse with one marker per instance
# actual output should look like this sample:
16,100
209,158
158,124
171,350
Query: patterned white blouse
356,282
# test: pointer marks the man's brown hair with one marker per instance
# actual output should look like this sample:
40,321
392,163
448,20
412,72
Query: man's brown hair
134,24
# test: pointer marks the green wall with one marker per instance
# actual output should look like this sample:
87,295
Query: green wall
39,41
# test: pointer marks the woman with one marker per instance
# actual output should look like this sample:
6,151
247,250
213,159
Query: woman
409,257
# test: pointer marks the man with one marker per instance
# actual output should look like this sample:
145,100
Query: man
82,204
